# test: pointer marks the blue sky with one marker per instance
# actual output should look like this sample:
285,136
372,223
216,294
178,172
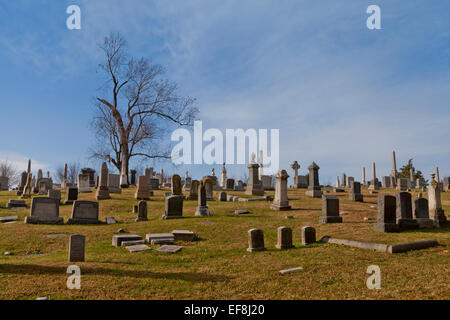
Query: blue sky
341,95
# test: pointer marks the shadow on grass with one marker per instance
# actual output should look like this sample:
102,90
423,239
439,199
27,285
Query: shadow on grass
33,269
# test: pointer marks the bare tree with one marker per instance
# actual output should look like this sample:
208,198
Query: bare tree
9,170
138,108
73,169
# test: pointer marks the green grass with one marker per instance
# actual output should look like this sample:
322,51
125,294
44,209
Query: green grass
217,265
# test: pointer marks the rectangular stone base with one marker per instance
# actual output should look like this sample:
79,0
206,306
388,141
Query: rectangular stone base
330,219
386,227
314,193
202,212
256,249
280,208
164,217
407,224
35,220
284,247
425,223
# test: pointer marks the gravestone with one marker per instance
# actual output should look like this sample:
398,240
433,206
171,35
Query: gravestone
209,185
183,235
350,180
402,184
84,212
330,210
281,201
344,180
44,211
222,196
23,182
254,186
176,185
434,203
72,195
387,214
193,191
103,190
142,192
308,235
160,238
295,166
169,249
133,177
142,211
42,189
374,182
173,207
255,240
54,194
119,238
16,204
77,243
404,213
114,183
27,188
421,213
83,183
355,192
266,182
314,190
239,186
91,173
4,183
202,209
230,184
284,238
386,181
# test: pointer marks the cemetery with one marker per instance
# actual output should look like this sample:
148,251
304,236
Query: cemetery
193,240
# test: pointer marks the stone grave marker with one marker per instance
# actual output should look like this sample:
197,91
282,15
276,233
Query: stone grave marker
77,243
44,211
84,212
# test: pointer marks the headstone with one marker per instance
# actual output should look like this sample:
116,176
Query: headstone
183,235
402,184
23,182
363,180
295,166
137,248
83,183
230,184
8,219
223,180
344,180
209,184
54,194
202,209
103,190
77,243
284,238
84,212
421,213
110,220
222,196
27,188
142,192
255,240
114,183
72,195
374,183
267,182
91,173
255,186
350,180
355,192
4,183
193,191
142,211
44,211
117,239
133,177
239,186
386,181
404,213
308,235
314,190
281,201
64,179
160,238
176,185
330,210
16,204
131,243
173,207
387,214
169,249
434,203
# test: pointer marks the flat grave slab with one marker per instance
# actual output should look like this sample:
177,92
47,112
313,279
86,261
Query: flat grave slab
8,219
169,249
117,239
183,235
138,248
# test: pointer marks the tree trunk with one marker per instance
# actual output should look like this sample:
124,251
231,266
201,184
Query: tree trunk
124,168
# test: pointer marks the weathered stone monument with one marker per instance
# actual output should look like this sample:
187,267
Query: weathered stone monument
404,211
434,203
330,210
363,180
64,179
133,177
421,213
193,191
77,243
44,211
208,183
402,184
187,182
314,190
4,183
295,183
142,211
23,182
54,194
72,195
355,192
222,196
174,203
114,183
83,183
386,181
223,177
255,240
281,201
27,188
387,214
84,212
284,238
230,184
142,192
374,182
254,186
308,235
91,173
103,190
394,173
202,209
176,185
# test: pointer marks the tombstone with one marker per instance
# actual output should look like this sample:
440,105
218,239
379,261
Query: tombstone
176,185
434,203
404,211
84,212
77,243
355,192
133,177
308,235
54,194
255,186
187,183
402,184
27,188
284,237
374,183
103,190
223,177
202,209
44,211
295,166
230,184
330,210
387,214
114,183
173,207
83,183
350,180
314,190
386,181
142,192
183,235
43,190
239,186
255,240
421,213
72,195
267,182
302,182
4,183
91,173
119,238
222,196
281,201
344,180
64,178
12,204
208,183
23,182
142,211
193,191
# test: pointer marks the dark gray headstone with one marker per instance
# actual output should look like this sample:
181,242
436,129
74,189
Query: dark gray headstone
308,235
255,240
330,210
387,219
76,248
173,207
284,238
84,212
45,211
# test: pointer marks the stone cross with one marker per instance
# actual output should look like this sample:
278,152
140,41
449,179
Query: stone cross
295,166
